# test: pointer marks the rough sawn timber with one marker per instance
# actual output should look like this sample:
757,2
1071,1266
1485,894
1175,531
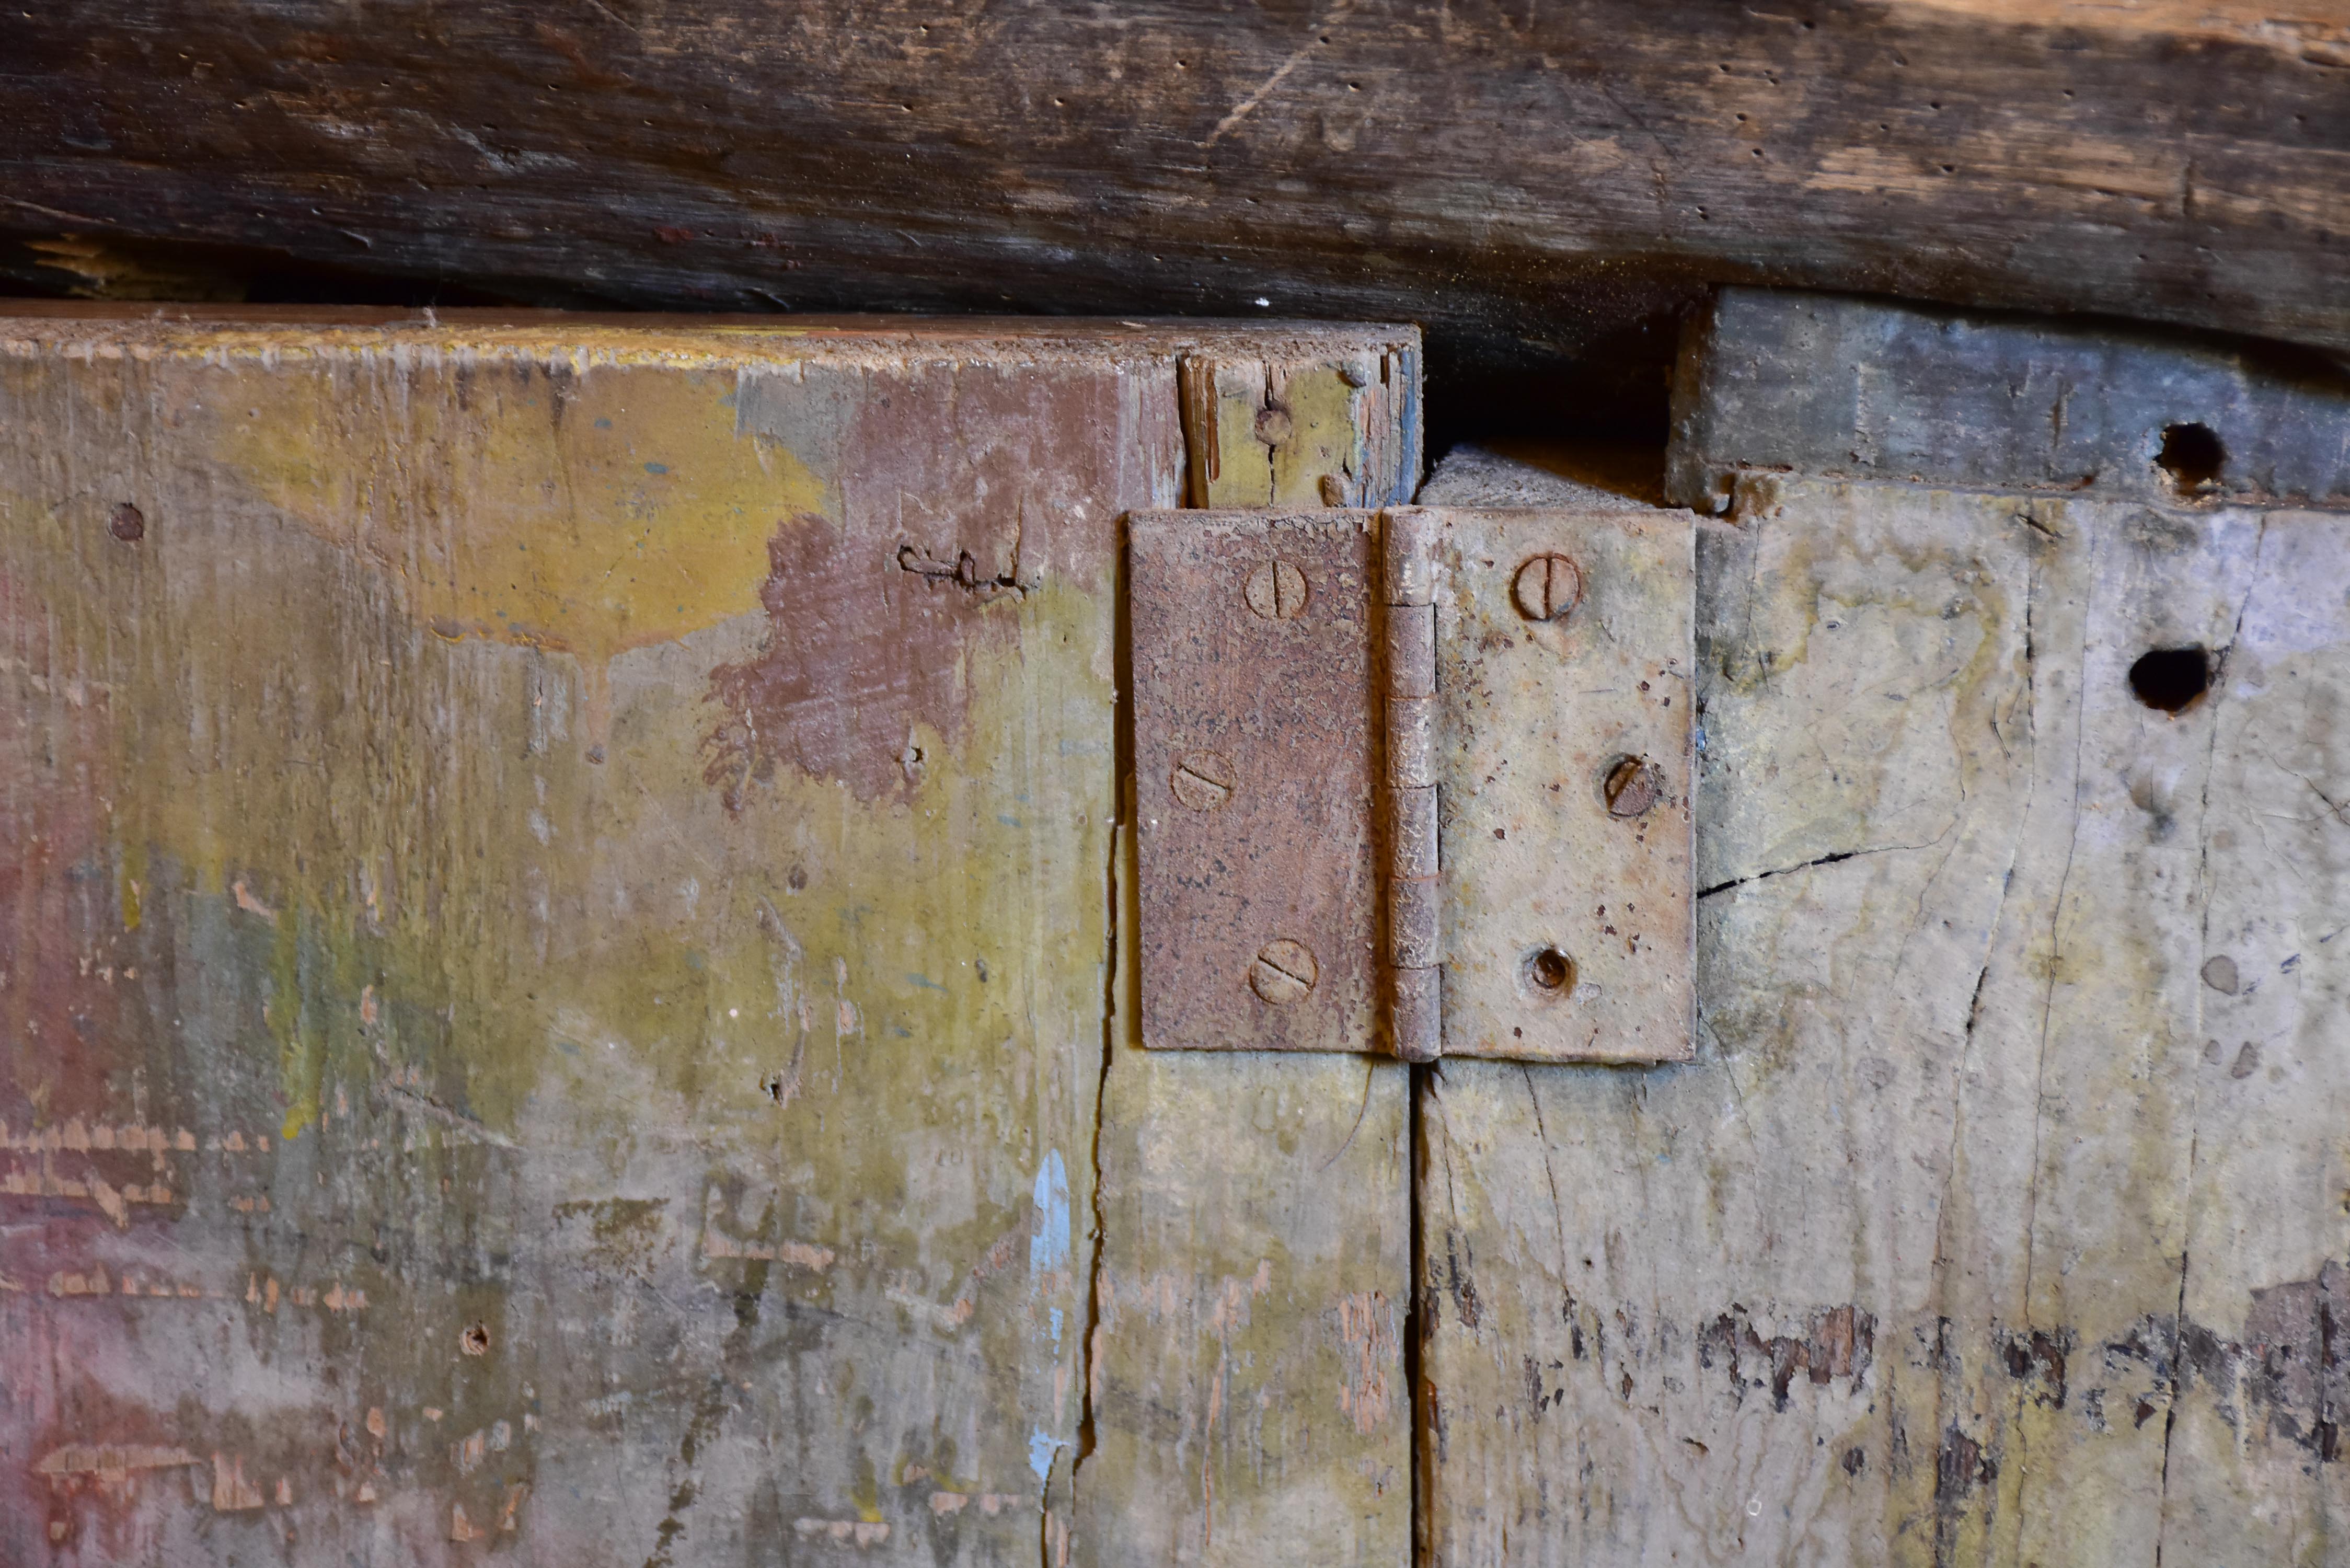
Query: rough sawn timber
554,942
2001,1218
1534,176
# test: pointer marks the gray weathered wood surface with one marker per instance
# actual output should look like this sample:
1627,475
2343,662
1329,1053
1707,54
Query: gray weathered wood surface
1872,388
2001,1216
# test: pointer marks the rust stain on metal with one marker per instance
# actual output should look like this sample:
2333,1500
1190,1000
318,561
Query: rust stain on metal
1258,917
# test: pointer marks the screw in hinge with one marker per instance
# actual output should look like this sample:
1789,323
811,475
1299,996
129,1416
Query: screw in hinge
1201,780
1633,786
1284,972
1277,590
1551,970
1547,587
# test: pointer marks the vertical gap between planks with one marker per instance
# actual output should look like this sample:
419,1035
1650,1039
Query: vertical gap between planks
1122,792
1416,1319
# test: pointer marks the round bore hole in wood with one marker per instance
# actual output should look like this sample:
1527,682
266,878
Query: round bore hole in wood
1202,780
1550,971
2171,679
1277,590
475,1341
1283,972
2191,458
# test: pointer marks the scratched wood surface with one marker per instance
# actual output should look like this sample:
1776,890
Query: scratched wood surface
555,937
2001,1218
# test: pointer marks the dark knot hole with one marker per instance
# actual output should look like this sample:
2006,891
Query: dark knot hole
2171,679
2192,455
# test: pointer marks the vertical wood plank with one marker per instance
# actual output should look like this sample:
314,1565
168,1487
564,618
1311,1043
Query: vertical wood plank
1250,1401
2254,1472
1882,1276
556,931
1249,1398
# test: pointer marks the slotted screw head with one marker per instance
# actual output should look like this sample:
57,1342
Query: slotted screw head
1632,787
1547,587
1277,590
1201,780
1284,972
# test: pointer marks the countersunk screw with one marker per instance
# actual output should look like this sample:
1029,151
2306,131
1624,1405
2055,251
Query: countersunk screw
1547,587
1284,972
1201,780
1277,590
1632,787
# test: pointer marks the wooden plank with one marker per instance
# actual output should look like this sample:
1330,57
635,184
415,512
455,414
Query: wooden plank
1253,1213
1501,174
554,929
1250,1405
2254,1472
1892,1272
1869,389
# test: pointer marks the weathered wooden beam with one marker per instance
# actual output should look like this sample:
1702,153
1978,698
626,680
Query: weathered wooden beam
1867,388
1531,179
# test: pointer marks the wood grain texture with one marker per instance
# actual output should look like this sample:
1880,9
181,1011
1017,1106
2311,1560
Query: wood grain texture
1535,179
553,929
1960,1242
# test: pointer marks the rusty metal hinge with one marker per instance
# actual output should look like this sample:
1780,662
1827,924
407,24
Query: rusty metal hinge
1416,780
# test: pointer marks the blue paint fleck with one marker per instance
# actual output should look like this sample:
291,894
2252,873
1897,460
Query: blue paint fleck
1049,1249
603,424
1041,1446
656,467
1055,1315
1007,821
925,981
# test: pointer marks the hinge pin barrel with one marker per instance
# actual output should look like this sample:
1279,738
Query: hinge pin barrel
1416,1011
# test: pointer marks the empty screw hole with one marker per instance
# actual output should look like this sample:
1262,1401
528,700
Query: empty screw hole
477,1340
2192,455
2171,679
1550,970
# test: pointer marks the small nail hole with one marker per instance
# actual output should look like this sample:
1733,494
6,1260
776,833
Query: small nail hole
1551,970
2192,455
2171,679
477,1340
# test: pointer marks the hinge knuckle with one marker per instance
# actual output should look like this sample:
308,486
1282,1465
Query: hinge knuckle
1411,651
1411,741
1417,1022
